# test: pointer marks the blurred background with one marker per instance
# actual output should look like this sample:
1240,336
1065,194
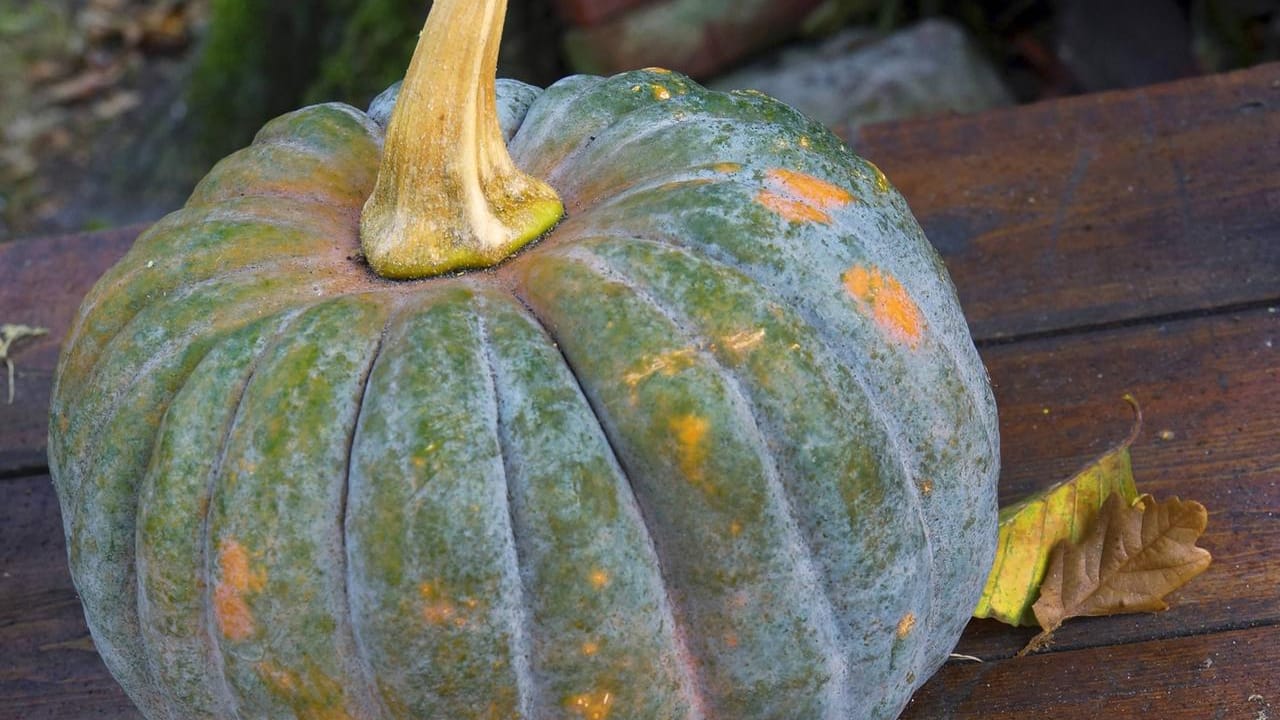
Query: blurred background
111,110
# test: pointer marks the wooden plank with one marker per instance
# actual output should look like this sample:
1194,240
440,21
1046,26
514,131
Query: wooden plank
43,284
48,665
1100,208
1223,675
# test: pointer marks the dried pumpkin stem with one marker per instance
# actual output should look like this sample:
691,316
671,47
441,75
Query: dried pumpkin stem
448,195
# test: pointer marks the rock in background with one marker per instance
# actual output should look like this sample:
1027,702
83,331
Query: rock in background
856,78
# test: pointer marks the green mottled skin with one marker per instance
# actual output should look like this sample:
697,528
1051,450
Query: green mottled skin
660,465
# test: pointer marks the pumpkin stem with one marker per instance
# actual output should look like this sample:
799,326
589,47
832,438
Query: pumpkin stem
448,195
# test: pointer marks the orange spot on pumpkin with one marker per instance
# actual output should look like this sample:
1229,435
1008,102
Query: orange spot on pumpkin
727,167
590,647
789,209
667,364
437,609
741,342
884,298
598,578
905,625
284,681
690,433
800,197
816,191
309,692
235,580
594,705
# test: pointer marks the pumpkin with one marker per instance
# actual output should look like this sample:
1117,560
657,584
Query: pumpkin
717,446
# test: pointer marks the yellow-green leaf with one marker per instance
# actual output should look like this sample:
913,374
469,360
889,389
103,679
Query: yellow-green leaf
1030,528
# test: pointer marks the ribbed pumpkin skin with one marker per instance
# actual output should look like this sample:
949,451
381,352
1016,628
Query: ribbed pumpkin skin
718,448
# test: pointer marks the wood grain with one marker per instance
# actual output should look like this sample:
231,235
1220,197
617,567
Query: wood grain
1223,675
1100,208
48,665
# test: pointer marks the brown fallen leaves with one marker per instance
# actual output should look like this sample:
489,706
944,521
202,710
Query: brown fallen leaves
1133,556
1092,546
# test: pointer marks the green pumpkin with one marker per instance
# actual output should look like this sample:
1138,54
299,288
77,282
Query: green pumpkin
717,447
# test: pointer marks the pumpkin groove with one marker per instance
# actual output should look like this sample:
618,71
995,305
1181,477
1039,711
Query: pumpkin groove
513,585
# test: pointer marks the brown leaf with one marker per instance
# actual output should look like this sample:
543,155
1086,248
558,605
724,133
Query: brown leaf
1132,557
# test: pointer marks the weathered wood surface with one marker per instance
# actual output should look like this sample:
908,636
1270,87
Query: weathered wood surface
1225,675
1189,324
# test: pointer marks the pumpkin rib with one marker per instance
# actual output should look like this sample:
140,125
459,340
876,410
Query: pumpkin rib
99,514
559,108
280,127
693,683
202,265
179,223
659,181
570,164
604,195
424,535
526,685
118,479
235,178
151,606
793,535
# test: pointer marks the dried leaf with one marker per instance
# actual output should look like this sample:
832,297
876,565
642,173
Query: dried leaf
1030,528
1134,555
